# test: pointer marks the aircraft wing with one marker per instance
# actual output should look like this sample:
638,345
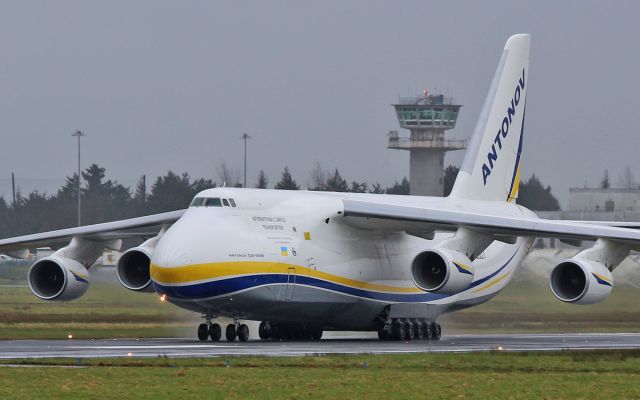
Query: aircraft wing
619,224
139,227
370,215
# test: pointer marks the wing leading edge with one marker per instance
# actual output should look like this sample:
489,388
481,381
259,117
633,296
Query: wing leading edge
146,226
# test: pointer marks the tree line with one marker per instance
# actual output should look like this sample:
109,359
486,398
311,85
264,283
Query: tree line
107,200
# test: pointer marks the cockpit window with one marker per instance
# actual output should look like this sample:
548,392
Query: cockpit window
213,202
197,202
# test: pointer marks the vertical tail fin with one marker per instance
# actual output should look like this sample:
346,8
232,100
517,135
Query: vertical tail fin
491,167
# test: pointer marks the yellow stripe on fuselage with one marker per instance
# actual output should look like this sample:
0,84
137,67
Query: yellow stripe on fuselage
488,285
201,272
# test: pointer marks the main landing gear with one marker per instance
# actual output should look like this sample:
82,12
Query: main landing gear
213,331
410,329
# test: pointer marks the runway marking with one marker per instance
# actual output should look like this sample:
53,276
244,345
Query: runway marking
193,346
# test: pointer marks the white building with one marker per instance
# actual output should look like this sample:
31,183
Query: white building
603,204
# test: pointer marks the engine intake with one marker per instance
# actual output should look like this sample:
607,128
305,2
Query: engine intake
581,281
442,271
59,279
133,269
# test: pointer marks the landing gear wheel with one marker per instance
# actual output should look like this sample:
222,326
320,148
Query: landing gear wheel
409,333
215,332
385,332
398,331
203,332
417,329
230,333
243,333
436,331
264,330
426,328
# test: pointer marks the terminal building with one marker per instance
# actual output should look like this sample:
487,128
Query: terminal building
603,204
427,118
596,204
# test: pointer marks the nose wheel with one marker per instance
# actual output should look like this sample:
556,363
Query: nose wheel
215,332
203,332
209,331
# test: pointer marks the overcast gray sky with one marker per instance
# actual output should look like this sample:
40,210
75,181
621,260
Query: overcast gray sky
161,85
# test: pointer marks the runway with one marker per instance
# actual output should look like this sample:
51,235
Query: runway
192,348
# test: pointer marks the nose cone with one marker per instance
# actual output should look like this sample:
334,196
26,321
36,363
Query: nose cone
176,247
199,237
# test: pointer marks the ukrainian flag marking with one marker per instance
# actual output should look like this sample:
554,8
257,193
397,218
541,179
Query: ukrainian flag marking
284,251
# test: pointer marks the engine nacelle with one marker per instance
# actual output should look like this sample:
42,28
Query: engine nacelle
581,281
58,278
442,271
134,269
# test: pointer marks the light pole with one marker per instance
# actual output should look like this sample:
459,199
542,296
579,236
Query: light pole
79,134
245,137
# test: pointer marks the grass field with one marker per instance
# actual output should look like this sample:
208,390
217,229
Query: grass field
468,376
108,310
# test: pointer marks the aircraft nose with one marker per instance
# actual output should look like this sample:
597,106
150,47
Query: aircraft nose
172,249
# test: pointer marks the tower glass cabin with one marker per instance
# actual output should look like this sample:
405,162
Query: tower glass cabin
427,118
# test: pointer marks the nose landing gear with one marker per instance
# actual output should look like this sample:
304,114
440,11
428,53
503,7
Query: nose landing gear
213,331
203,332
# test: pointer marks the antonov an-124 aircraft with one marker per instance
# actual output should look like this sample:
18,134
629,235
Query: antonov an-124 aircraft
304,262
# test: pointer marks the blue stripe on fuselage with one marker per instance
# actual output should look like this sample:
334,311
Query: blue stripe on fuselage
236,284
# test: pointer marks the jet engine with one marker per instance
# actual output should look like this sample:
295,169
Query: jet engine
133,269
58,278
581,281
442,271
135,264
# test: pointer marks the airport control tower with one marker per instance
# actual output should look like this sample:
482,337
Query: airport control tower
427,118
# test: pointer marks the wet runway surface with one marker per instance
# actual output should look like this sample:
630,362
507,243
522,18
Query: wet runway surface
193,348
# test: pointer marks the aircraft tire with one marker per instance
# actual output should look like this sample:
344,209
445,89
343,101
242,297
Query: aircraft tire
409,333
398,331
436,331
385,332
215,332
230,333
426,328
418,329
203,332
243,333
263,331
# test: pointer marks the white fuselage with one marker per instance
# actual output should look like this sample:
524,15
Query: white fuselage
290,256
